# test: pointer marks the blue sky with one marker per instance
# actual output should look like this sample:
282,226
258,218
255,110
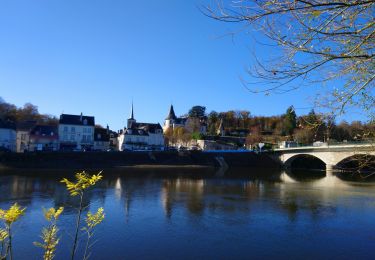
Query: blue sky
95,57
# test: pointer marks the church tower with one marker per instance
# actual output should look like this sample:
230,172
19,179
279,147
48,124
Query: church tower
131,120
169,121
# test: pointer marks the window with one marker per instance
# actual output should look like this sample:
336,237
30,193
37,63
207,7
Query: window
65,138
88,130
83,138
84,130
65,129
73,129
72,137
85,121
88,138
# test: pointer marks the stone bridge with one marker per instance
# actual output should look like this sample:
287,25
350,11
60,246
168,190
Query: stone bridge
331,155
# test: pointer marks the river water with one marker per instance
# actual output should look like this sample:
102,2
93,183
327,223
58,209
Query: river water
188,214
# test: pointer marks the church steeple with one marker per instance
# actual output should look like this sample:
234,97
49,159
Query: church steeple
131,120
171,114
132,112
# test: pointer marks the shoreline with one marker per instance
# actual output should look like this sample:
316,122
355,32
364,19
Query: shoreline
135,160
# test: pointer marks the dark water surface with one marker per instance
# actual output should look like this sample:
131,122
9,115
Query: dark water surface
196,215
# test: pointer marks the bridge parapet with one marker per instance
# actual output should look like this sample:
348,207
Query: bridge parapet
331,155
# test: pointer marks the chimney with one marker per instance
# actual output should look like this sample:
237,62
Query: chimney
80,119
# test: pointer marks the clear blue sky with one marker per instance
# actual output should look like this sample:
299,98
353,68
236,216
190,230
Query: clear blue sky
95,57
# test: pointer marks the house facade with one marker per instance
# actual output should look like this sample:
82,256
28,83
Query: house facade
113,141
101,139
76,132
44,138
23,135
140,136
8,136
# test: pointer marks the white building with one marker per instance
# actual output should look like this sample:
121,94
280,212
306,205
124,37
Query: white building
189,123
172,121
7,136
76,132
141,136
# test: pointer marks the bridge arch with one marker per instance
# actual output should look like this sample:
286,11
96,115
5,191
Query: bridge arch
305,160
364,162
333,155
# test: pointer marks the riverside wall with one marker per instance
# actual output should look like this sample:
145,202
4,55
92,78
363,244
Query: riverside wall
74,160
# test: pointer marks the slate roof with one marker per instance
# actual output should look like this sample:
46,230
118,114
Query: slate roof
113,134
7,124
171,114
139,132
76,120
25,125
180,120
101,134
44,131
148,127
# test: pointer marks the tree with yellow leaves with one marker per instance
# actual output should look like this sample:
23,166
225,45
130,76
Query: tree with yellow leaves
92,220
78,188
49,233
9,217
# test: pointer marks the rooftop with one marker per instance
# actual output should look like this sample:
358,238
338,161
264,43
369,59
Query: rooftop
77,120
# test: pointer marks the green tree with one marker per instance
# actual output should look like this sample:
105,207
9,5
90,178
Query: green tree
290,121
213,122
197,111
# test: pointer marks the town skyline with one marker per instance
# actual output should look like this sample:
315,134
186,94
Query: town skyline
63,59
122,122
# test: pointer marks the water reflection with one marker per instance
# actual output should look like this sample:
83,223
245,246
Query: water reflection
293,192
244,202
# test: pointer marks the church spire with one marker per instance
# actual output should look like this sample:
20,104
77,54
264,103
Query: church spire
131,120
132,112
171,114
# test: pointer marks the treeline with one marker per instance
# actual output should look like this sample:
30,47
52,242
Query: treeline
304,129
29,112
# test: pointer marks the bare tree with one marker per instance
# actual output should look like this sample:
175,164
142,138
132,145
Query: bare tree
321,41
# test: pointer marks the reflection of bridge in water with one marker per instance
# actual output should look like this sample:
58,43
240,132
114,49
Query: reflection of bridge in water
331,155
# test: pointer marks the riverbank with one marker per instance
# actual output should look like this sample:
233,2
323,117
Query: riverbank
154,159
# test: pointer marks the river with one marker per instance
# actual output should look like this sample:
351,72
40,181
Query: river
183,214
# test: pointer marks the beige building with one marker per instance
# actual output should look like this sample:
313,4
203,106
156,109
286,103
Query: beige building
23,135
